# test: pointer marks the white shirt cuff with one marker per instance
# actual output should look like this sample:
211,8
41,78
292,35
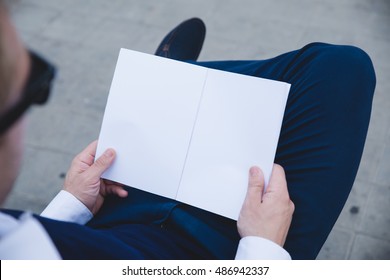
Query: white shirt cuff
257,248
66,207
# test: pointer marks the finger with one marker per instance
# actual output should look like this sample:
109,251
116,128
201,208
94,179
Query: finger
87,156
119,191
102,163
115,189
277,182
255,185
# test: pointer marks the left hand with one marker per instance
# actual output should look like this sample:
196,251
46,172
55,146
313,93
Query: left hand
83,178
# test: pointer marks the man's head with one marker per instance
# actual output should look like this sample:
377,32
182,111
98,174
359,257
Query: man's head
14,69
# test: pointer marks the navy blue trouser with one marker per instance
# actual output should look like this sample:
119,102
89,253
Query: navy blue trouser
320,147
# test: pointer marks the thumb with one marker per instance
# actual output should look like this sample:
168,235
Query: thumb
102,163
277,182
255,185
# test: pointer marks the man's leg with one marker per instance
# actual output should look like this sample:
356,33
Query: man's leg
323,132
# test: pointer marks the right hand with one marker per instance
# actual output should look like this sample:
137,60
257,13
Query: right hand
267,215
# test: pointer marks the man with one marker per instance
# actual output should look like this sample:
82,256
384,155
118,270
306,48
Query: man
132,224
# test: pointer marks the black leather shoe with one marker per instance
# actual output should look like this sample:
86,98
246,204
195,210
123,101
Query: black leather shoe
184,42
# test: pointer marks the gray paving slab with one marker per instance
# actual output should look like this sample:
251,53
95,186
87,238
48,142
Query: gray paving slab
369,248
83,39
355,208
383,172
344,239
376,222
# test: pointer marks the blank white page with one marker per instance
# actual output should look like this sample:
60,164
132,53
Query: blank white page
238,126
149,118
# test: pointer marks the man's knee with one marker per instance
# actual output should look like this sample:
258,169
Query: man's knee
348,63
344,69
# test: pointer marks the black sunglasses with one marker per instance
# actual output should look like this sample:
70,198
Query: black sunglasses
36,91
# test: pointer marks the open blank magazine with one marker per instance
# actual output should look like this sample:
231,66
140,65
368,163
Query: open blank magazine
188,132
